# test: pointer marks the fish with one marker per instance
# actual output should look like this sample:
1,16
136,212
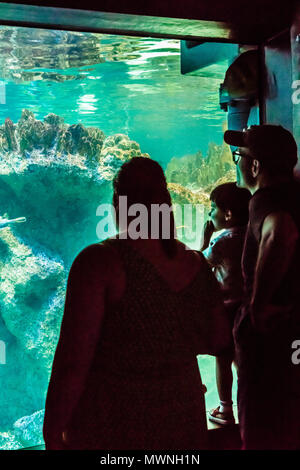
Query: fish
6,222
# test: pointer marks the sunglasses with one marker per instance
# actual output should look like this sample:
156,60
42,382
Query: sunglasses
236,156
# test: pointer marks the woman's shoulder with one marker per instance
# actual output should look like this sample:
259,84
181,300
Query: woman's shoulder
101,256
95,249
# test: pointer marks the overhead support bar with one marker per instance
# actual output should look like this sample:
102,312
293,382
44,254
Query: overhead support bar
117,23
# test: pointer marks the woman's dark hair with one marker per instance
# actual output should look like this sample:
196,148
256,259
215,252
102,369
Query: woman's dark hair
229,196
143,181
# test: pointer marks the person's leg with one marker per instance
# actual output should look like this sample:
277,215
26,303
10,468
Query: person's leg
223,413
262,393
224,378
248,360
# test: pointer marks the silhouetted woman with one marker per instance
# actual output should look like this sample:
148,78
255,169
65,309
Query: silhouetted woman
137,312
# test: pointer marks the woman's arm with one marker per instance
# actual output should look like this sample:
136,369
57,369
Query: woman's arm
79,334
215,324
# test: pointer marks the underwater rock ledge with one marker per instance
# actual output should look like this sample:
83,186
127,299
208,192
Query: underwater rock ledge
53,140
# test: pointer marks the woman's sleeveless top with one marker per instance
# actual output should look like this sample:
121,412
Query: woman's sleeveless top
144,388
154,329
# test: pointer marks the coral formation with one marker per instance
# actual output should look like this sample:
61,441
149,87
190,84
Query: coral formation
199,171
32,138
31,305
115,151
28,429
192,178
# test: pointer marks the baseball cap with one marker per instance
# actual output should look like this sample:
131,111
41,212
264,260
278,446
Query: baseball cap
267,143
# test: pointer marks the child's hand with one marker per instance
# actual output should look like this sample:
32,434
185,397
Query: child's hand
207,233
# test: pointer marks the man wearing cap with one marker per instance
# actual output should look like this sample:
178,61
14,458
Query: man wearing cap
268,323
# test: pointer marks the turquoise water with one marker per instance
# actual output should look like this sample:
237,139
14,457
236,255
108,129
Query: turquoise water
79,105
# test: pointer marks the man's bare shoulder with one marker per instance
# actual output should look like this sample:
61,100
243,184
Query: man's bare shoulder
280,223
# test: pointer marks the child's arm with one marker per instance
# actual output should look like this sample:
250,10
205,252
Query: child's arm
208,230
214,253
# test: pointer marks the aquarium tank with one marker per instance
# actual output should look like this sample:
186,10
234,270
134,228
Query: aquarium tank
73,107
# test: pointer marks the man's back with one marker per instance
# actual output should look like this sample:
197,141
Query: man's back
282,198
269,383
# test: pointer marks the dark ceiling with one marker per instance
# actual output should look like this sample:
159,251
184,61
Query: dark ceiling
237,21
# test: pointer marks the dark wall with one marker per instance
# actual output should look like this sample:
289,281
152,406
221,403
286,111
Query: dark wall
278,106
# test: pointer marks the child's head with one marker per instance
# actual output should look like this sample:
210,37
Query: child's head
229,206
